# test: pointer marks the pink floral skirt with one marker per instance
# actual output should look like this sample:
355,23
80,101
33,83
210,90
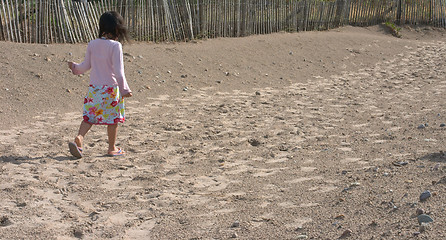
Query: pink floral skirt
104,105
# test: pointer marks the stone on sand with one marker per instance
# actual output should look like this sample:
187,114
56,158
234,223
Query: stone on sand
425,195
424,218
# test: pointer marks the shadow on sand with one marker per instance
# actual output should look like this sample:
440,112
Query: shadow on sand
435,157
33,160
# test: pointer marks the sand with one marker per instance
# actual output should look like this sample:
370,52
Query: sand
314,135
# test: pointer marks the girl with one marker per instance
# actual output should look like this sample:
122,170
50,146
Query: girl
104,103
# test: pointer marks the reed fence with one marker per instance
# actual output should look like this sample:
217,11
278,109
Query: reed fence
73,21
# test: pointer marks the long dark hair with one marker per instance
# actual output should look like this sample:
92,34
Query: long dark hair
111,25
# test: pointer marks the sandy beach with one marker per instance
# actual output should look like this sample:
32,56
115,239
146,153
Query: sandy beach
309,135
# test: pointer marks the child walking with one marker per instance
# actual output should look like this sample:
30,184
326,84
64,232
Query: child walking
104,102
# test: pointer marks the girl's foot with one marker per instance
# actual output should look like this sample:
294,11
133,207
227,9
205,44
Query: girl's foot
116,152
78,140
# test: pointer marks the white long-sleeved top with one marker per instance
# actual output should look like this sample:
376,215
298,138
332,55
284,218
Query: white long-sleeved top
105,59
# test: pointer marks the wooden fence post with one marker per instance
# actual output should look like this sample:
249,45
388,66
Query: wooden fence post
189,13
243,19
305,15
339,18
398,13
440,15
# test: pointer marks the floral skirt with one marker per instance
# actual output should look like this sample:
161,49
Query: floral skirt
103,105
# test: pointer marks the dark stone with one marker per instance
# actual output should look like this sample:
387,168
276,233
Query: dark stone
423,218
425,195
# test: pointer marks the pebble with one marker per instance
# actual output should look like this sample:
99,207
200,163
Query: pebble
94,216
400,163
283,148
302,237
235,224
423,218
78,234
254,142
4,221
421,126
355,184
234,235
425,195
346,233
419,211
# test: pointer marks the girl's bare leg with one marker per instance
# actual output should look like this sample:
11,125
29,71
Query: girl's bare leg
112,131
83,129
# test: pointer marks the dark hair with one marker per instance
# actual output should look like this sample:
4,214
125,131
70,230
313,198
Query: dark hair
111,25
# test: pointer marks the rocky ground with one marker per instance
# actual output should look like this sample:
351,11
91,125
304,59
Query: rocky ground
315,135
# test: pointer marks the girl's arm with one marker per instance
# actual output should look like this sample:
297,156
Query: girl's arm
118,69
84,66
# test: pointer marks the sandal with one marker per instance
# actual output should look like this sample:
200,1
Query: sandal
75,150
120,152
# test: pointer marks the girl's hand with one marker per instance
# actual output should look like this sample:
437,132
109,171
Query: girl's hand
127,95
